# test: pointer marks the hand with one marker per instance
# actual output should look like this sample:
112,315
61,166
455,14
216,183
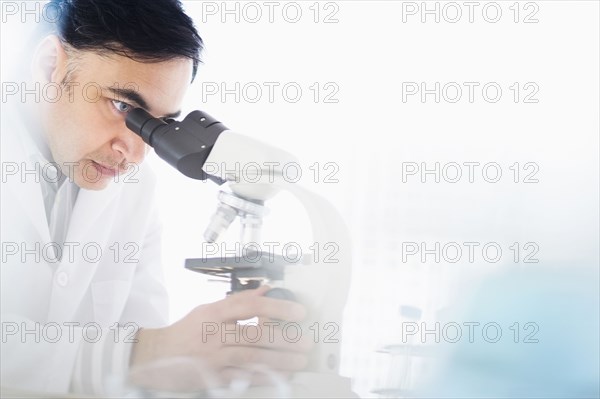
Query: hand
211,334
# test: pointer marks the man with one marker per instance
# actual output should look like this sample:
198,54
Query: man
83,299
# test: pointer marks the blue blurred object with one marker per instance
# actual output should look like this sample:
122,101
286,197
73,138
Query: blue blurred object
410,312
562,304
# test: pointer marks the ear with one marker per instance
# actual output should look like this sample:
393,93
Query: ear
49,60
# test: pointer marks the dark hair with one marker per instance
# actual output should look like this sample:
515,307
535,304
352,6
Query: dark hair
144,30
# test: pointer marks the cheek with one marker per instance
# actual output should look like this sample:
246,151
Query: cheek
73,131
60,131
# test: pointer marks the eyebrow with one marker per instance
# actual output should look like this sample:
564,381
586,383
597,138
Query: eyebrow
137,99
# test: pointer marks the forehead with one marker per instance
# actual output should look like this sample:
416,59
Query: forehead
162,84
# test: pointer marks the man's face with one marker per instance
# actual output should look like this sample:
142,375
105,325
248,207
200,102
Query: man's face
85,129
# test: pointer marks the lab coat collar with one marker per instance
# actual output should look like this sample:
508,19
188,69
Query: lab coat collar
89,211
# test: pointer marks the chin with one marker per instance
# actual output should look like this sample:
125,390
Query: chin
92,185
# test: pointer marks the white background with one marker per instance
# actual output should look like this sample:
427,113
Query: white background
370,131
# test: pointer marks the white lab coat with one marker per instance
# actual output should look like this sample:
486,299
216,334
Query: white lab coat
78,288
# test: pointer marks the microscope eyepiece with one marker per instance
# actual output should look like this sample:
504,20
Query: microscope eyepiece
143,124
184,144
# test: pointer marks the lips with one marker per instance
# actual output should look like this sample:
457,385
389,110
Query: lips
106,171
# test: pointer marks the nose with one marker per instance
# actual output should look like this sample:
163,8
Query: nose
129,146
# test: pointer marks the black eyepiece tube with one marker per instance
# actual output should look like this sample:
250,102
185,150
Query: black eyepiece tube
142,123
186,144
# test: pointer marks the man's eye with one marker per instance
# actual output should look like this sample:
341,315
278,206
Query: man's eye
121,106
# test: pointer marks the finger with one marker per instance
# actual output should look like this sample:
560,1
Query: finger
244,356
277,335
254,377
214,312
246,305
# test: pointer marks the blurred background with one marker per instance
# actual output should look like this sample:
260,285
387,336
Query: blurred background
429,125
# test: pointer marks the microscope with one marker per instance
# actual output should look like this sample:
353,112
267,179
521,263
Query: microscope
202,148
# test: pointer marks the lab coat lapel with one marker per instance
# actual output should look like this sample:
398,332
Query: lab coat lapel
91,223
92,215
23,186
28,195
